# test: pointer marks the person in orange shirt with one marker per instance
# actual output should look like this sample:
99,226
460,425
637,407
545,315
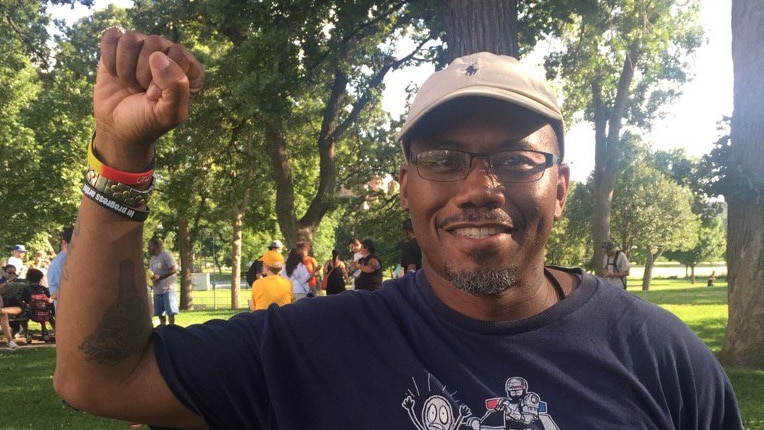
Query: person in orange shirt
272,288
313,268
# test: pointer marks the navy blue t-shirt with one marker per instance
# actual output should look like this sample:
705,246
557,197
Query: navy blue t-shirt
399,358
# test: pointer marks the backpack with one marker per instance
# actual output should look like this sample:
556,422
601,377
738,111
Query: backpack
615,265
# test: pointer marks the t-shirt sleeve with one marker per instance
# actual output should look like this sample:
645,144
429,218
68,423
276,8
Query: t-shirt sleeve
215,368
692,381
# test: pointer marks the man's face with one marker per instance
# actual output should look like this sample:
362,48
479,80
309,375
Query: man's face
153,248
9,274
479,234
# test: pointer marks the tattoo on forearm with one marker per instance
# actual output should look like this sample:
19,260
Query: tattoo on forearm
125,325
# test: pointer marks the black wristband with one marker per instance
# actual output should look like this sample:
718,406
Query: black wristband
130,213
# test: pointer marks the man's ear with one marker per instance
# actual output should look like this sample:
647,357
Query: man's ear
563,181
403,181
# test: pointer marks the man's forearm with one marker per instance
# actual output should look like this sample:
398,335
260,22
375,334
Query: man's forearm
103,323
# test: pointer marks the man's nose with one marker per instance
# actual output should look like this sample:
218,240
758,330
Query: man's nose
481,187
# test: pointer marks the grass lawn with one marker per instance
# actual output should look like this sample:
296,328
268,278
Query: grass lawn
30,403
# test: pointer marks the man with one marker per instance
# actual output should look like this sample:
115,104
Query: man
272,288
616,265
483,184
256,269
57,265
411,254
164,276
17,260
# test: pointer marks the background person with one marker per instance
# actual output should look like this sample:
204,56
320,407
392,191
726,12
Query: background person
411,254
272,288
57,265
354,245
12,305
37,304
297,273
312,265
5,314
256,270
164,277
616,265
711,279
484,325
370,266
335,274
18,253
41,263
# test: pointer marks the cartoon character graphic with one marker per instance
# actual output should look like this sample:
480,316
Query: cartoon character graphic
437,410
521,409
437,413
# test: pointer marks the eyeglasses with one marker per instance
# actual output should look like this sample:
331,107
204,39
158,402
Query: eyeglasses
448,165
11,273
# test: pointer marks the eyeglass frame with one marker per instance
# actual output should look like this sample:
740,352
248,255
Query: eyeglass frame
550,160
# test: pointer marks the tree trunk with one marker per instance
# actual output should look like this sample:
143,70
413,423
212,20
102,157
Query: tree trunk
692,275
186,264
744,340
650,260
604,181
476,26
648,274
238,215
608,151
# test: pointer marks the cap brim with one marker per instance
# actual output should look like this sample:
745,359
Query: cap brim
511,97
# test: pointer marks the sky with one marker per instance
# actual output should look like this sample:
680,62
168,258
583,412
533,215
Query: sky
690,123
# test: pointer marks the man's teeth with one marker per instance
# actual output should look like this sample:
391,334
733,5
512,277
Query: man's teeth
477,232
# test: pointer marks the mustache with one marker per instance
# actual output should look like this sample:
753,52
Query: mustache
478,215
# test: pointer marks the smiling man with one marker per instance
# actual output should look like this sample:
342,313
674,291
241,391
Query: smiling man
483,336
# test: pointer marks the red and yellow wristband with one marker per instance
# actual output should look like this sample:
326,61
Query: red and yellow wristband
127,178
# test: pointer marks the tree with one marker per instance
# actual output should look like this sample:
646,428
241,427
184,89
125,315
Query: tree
695,175
744,339
39,120
653,213
567,246
620,63
710,243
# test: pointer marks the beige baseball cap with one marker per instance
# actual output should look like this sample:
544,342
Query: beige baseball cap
485,74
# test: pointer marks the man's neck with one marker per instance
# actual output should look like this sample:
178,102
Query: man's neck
532,295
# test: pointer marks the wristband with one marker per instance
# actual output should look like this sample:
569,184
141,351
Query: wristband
130,213
126,178
117,191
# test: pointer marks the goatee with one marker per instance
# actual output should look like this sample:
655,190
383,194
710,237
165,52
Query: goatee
482,282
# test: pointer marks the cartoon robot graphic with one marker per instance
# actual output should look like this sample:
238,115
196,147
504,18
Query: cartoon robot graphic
521,409
437,413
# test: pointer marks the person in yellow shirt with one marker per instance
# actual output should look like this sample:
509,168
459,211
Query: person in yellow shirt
272,288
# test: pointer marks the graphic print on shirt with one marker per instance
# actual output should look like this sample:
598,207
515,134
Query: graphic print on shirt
519,410
436,410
